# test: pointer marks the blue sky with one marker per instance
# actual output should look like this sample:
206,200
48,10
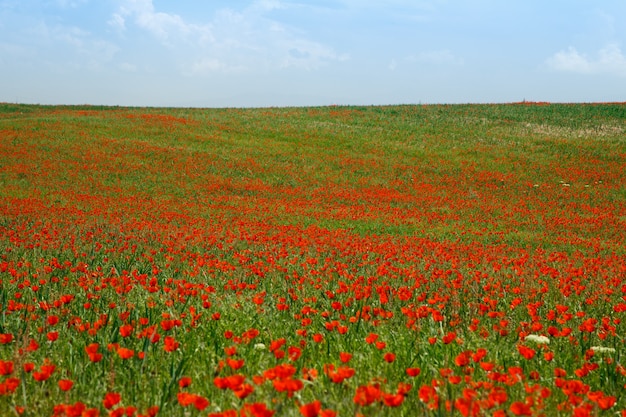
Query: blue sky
241,53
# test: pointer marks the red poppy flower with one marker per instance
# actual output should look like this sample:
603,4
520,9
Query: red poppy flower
92,352
389,357
65,384
6,368
311,409
170,344
413,372
393,400
367,394
111,399
520,409
125,353
184,382
526,352
257,410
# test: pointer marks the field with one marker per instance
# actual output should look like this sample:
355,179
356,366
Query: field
379,261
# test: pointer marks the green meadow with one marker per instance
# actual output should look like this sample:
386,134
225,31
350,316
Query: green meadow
317,261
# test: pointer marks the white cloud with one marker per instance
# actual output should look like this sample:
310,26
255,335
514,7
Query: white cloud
117,21
163,26
609,60
231,41
71,46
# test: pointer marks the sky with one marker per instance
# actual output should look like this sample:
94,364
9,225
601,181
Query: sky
271,53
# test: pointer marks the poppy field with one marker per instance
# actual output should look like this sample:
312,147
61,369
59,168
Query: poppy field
432,260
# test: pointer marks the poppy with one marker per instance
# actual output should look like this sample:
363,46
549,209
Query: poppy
311,409
111,399
65,384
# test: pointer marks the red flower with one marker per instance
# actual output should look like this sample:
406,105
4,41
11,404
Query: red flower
371,338
200,403
111,399
184,382
526,352
256,410
462,359
126,330
448,338
9,385
345,357
367,394
65,384
393,400
125,353
389,357
185,398
289,385
44,373
234,363
92,352
170,344
243,391
520,409
311,409
6,368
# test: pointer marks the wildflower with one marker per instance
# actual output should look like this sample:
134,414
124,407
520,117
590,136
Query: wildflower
6,368
65,384
92,352
540,340
125,353
526,352
184,382
520,409
367,394
389,357
259,346
393,400
234,363
170,344
111,399
257,410
45,372
126,330
287,384
311,409
602,349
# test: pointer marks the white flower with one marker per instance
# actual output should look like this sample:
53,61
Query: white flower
540,340
602,349
259,346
